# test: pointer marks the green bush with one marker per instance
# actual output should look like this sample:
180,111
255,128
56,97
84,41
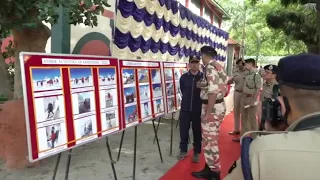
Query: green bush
3,98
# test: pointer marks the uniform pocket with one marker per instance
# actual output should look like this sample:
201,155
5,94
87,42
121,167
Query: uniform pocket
250,83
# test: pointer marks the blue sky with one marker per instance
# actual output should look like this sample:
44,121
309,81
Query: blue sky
156,85
80,72
129,90
106,71
39,74
154,72
129,71
129,110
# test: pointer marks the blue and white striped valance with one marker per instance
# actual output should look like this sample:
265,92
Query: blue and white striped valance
163,30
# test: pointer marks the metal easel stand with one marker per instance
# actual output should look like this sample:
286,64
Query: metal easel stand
134,150
66,176
171,134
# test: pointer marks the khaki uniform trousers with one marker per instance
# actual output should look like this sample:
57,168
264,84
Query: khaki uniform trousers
237,101
248,116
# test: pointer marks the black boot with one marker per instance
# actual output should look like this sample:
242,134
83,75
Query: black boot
206,173
214,175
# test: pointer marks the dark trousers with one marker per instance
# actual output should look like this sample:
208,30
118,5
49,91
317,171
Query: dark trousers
186,118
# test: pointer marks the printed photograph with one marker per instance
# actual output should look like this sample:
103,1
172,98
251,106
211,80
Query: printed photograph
128,76
144,91
143,75
156,75
179,98
85,127
170,103
107,76
130,95
168,74
51,107
81,77
146,109
131,113
158,106
177,74
169,89
84,104
110,120
46,79
157,90
110,98
177,87
54,136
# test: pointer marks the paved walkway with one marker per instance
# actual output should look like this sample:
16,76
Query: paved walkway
91,161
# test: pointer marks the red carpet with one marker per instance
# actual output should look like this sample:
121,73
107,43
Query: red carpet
229,152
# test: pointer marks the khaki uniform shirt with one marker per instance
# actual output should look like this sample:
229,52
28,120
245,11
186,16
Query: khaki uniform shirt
283,156
239,77
216,81
267,90
253,83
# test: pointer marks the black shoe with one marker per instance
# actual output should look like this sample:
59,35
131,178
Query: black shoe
206,173
195,157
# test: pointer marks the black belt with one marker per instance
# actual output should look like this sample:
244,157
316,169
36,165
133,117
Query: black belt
217,101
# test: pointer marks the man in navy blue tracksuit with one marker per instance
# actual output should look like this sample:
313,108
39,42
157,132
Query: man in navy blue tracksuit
190,109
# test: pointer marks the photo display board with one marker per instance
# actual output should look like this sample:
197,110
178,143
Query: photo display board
142,92
69,100
172,73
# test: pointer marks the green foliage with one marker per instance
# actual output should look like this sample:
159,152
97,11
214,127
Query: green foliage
3,98
260,40
28,13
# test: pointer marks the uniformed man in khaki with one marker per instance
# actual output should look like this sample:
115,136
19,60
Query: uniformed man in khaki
238,78
251,91
293,154
269,75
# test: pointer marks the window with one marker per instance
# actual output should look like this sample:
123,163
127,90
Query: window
216,20
206,15
195,6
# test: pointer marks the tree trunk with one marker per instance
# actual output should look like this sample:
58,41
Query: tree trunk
318,25
27,40
5,85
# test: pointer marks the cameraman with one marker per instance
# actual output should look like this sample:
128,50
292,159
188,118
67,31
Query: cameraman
267,95
282,155
190,109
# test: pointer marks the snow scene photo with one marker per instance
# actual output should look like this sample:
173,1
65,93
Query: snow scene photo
158,105
46,79
157,90
81,77
156,76
143,75
54,136
128,76
107,76
144,91
168,74
51,107
177,74
169,89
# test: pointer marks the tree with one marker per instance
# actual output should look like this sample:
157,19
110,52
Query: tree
297,21
5,85
24,18
252,28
